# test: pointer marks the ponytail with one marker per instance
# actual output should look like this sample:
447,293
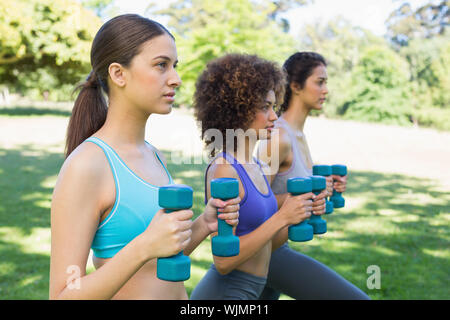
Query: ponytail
88,113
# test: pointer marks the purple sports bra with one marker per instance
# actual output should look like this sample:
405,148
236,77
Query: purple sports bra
256,207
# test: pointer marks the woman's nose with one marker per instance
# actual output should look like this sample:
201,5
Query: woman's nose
273,115
175,80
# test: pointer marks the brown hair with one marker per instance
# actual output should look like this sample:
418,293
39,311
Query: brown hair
298,67
118,40
231,89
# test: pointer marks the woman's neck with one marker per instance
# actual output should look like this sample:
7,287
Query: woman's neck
296,114
124,125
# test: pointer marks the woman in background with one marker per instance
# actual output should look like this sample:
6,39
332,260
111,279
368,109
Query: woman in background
305,90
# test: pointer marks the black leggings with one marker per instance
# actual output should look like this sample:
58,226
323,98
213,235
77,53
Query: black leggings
313,280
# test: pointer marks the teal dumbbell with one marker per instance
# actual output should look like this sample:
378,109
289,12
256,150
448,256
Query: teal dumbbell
225,244
174,197
319,225
337,198
324,171
303,231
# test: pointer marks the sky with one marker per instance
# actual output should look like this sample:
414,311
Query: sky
368,14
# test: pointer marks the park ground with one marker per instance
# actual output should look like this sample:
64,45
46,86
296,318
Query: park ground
396,216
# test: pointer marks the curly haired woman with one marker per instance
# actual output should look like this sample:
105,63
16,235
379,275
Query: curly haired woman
237,93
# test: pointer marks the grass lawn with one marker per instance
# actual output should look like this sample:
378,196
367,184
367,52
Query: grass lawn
396,222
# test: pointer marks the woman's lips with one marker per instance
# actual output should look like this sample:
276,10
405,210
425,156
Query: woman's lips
170,96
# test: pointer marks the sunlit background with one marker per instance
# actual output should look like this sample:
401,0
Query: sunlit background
387,118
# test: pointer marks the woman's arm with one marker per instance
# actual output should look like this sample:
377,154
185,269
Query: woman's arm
274,152
318,208
75,214
293,211
206,223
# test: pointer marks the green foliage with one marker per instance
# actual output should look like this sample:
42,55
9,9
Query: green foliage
370,81
341,44
430,80
99,6
429,20
379,88
222,27
45,45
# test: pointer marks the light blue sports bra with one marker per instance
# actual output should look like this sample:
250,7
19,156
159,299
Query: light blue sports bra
135,205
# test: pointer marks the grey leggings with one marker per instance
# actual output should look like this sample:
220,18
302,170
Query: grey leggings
236,285
302,278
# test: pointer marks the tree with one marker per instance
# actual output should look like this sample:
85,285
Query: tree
45,45
429,20
191,14
380,88
98,6
430,80
222,27
341,44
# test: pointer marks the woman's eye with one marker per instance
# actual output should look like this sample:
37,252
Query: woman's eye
162,65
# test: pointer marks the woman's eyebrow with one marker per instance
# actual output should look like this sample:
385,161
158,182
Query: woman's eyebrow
165,58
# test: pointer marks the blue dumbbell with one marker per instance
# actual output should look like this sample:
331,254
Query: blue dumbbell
172,198
319,225
337,198
324,171
303,231
225,244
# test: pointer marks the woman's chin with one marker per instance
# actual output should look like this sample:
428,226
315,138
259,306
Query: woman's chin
318,107
165,109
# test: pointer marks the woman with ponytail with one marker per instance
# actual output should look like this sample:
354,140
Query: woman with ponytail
106,195
305,90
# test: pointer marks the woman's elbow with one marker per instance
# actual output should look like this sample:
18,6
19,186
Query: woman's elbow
223,266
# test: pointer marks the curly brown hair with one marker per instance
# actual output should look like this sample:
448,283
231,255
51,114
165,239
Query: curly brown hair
232,89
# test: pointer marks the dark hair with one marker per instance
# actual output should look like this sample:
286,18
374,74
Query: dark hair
298,68
232,88
118,40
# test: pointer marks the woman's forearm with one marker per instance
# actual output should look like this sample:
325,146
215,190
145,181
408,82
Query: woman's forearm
280,238
106,281
199,232
250,244
281,198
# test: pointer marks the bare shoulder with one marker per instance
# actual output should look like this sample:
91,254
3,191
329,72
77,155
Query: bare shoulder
84,188
87,160
284,140
83,175
221,168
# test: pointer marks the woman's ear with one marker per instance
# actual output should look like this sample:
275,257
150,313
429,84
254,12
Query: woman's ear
117,74
295,87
